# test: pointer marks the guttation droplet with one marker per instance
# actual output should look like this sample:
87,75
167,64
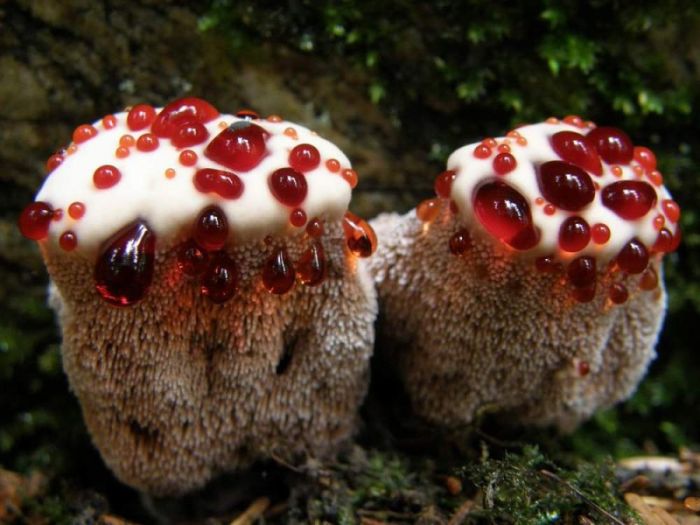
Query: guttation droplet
192,259
182,111
565,185
35,219
634,257
226,184
278,272
220,278
239,147
574,234
211,229
312,265
630,199
613,145
578,150
124,268
505,214
582,272
359,235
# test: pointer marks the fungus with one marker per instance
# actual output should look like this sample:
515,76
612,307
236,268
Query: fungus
213,305
531,286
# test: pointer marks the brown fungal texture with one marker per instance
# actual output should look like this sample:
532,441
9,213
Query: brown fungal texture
481,331
177,388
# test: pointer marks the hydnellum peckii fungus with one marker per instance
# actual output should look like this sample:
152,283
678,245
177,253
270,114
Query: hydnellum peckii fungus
532,284
207,278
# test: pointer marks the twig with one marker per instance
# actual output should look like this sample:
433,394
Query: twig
253,512
586,499
461,513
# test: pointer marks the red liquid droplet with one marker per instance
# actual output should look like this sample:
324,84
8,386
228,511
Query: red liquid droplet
182,111
278,273
124,269
350,177
565,185
147,142
188,158
109,121
582,272
613,145
211,229
600,233
288,186
584,368
578,150
304,157
297,218
630,199
76,210
191,259
247,114
428,210
671,210
547,264
634,257
505,214
649,280
312,265
359,235
34,220
106,176
618,293
645,157
482,151
314,228
574,234
224,183
68,241
239,147
220,279
53,162
57,214
664,241
443,183
333,165
140,117
189,134
84,133
504,163
460,242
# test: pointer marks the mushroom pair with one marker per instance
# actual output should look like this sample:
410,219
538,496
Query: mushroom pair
216,307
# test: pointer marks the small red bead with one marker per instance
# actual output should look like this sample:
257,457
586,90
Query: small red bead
140,117
443,183
189,134
288,186
188,158
359,235
634,257
106,176
76,210
504,163
574,234
297,218
350,177
304,157
428,210
211,229
109,121
311,267
314,228
35,219
460,242
83,133
671,210
224,183
333,165
278,272
220,279
582,271
600,233
121,152
482,152
645,157
68,241
191,259
618,293
584,368
147,142
54,162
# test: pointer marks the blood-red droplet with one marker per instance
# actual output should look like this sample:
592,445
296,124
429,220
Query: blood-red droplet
124,269
297,218
34,220
584,368
600,233
247,114
224,183
645,157
278,272
189,134
443,183
634,257
314,228
649,280
359,235
504,213
239,147
582,271
188,158
612,144
76,210
618,293
578,150
68,241
547,264
54,162
664,241
312,265
630,199
83,133
428,210
220,279
482,151
460,242
504,163
333,165
574,234
671,210
304,157
147,142
288,186
565,185
182,111
350,177
57,214
211,229
140,117
106,176
109,121
191,259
